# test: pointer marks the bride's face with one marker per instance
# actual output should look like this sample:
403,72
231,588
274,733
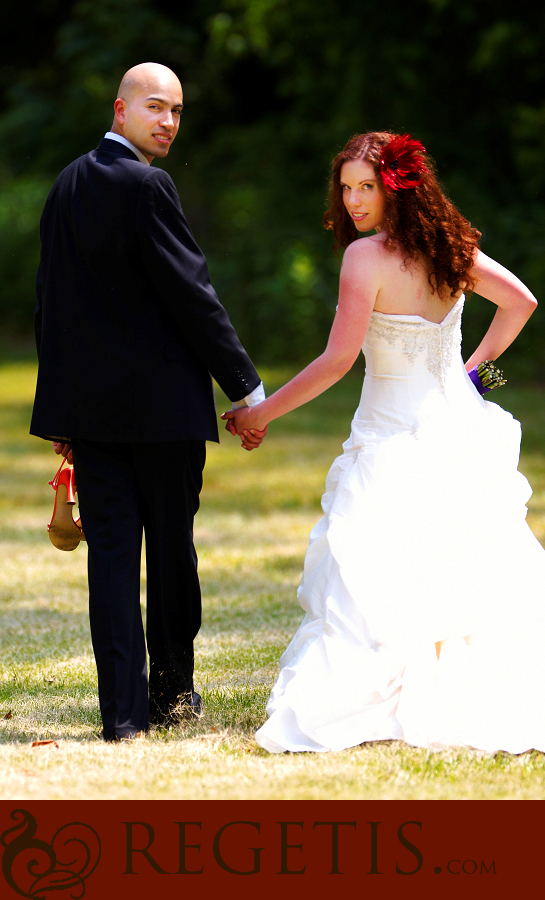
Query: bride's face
363,195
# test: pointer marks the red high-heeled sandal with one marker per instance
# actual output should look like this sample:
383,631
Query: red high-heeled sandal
64,533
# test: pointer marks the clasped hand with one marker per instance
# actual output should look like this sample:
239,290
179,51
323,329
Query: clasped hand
239,421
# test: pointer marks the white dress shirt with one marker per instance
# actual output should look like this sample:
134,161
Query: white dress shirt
112,136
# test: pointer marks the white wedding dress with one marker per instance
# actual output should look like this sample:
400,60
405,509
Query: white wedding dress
423,539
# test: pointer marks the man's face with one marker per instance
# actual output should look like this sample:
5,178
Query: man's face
150,116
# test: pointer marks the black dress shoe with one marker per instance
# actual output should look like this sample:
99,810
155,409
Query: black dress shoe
127,736
185,710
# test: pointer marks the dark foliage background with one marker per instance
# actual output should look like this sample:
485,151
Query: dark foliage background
273,89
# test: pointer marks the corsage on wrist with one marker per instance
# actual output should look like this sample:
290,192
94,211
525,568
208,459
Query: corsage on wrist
486,376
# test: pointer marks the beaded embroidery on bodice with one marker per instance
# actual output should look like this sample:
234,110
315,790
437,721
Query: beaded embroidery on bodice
417,336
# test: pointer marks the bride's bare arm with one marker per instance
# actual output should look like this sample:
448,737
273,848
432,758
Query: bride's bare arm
358,288
515,306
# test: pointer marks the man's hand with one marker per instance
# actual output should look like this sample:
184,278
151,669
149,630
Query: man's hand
235,420
63,449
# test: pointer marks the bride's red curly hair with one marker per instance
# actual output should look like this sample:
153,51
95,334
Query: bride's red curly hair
421,220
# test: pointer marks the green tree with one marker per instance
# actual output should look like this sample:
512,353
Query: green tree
273,89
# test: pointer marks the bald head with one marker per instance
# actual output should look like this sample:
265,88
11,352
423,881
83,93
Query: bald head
147,76
148,108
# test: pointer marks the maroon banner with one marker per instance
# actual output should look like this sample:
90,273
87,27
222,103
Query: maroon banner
143,849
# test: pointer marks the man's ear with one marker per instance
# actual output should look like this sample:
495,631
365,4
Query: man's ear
120,106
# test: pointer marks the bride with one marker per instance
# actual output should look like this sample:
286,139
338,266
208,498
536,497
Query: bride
415,629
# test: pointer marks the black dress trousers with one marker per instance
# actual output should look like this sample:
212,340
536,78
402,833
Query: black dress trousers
124,489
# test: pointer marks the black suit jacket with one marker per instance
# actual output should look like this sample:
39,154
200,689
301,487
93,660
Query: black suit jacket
128,326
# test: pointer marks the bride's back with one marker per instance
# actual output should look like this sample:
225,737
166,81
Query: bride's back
405,288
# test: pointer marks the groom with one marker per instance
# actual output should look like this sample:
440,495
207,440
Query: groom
129,331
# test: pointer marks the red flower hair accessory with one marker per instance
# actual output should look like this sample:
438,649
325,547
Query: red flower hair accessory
401,163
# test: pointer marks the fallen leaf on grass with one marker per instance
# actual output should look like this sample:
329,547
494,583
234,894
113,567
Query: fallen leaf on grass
43,743
8,715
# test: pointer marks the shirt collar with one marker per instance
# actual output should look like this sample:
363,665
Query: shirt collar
112,136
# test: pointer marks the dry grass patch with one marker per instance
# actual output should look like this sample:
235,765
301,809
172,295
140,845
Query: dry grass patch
223,764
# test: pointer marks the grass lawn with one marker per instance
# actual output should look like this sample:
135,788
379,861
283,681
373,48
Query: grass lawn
251,534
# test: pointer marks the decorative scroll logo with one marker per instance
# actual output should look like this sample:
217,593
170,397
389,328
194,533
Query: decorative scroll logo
33,867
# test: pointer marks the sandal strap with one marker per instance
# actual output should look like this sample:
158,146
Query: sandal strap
55,482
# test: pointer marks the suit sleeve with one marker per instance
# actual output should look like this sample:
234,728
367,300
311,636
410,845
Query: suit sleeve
38,311
178,269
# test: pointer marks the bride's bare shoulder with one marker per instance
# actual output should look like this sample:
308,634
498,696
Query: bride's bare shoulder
364,267
368,248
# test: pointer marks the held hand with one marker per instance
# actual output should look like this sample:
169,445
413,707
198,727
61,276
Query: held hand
230,423
64,449
253,439
239,421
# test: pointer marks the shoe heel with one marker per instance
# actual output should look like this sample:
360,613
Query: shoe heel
66,478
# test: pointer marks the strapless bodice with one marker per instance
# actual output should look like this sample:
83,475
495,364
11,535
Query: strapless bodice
413,370
401,345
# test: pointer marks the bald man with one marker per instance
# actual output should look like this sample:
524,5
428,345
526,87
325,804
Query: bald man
129,331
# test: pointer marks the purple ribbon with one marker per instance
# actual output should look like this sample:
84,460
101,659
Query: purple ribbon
474,375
